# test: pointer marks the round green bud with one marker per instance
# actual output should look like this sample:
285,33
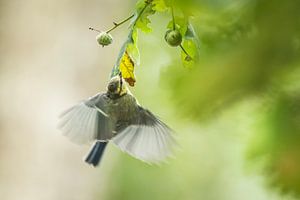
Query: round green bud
173,38
104,39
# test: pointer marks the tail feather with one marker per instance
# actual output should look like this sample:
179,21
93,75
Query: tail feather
95,154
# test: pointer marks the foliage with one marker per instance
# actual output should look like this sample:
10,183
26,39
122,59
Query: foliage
130,53
249,52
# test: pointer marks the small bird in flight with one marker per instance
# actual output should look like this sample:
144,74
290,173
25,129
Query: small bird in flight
115,115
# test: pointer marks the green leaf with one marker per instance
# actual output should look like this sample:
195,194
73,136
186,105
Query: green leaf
159,5
133,49
142,21
142,24
191,46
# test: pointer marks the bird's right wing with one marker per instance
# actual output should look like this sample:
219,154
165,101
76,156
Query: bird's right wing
146,138
86,121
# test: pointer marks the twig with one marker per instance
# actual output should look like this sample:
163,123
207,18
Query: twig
116,24
173,16
90,28
188,57
119,24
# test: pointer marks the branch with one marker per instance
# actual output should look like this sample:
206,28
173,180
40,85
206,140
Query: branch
119,24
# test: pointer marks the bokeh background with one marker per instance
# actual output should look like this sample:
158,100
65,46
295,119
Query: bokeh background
236,113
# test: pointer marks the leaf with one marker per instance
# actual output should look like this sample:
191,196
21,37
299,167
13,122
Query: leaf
132,47
191,46
142,22
159,5
127,69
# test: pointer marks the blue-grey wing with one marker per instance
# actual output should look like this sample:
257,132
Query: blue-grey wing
146,137
87,121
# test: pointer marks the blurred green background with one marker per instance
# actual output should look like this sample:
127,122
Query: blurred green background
236,113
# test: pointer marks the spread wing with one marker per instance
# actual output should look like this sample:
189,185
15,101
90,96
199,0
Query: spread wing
86,121
146,138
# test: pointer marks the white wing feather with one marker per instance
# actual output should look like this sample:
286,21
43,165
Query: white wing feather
151,144
79,124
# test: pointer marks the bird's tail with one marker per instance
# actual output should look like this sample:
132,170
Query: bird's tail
95,154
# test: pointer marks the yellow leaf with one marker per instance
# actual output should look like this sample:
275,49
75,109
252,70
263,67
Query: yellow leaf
127,69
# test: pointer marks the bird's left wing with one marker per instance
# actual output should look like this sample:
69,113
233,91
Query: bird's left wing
86,121
146,138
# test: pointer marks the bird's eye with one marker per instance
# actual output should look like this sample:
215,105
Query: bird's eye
112,87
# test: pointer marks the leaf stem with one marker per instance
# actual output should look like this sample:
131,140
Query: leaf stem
173,16
188,57
119,24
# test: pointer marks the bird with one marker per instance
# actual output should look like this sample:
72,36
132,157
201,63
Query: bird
116,116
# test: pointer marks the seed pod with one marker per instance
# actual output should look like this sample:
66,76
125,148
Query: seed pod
104,39
173,38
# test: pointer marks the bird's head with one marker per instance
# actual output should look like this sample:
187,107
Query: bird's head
116,87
